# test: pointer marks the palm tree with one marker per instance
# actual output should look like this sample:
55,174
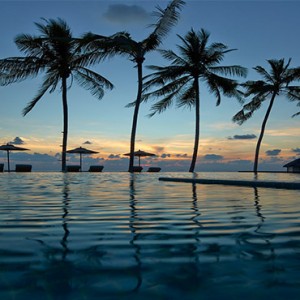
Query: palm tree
197,61
275,82
56,53
123,44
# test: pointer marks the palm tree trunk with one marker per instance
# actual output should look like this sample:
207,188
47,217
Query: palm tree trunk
65,126
262,131
135,114
197,125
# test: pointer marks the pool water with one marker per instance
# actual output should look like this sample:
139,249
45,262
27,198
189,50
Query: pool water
131,236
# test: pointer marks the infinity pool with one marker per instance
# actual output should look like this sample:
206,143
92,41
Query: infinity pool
123,236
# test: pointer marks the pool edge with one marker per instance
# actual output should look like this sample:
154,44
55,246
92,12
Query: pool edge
267,184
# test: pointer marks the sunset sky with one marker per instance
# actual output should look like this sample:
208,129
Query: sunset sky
259,30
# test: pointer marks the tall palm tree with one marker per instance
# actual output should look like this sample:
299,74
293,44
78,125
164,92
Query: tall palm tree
56,53
278,81
180,81
123,44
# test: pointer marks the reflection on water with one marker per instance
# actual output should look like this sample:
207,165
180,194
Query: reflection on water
130,236
65,204
258,209
132,220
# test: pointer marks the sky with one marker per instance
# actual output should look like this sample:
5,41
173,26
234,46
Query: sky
258,30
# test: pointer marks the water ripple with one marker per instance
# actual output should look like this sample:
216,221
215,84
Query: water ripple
124,236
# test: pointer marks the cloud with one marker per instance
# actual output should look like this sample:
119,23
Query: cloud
116,162
240,162
87,143
272,159
242,137
126,14
44,157
273,152
114,156
158,149
39,162
296,150
57,155
17,141
213,157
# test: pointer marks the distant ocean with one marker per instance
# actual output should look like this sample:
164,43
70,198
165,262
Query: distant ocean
130,236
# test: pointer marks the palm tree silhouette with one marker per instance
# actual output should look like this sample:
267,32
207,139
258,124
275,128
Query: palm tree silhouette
56,53
180,80
277,81
122,44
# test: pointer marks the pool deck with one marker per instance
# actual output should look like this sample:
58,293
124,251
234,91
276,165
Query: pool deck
246,183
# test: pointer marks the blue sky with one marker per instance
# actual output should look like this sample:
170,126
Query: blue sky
259,30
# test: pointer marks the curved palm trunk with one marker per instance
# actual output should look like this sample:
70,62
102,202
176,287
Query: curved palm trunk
65,126
135,114
197,125
262,131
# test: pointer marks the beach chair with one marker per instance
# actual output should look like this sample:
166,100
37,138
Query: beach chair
1,167
154,169
137,169
96,168
74,168
23,168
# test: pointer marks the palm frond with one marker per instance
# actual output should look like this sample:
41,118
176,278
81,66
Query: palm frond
46,85
255,103
163,75
131,104
291,75
229,87
241,117
278,66
239,95
214,87
17,69
88,40
262,71
298,113
214,56
149,44
89,58
172,56
173,86
293,93
119,43
166,18
257,87
234,70
162,105
30,45
296,73
52,80
187,97
92,81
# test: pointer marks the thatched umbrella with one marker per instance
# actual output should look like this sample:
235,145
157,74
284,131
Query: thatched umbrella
81,151
8,148
139,154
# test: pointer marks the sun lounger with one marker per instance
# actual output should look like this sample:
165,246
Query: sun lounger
153,169
73,168
23,168
96,168
137,169
1,167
